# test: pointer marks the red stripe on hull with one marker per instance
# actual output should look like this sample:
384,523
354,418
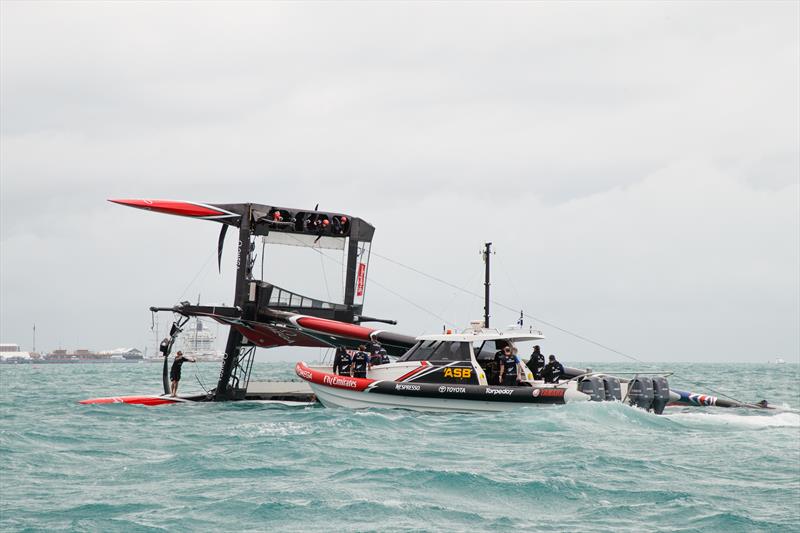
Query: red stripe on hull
331,380
423,364
334,327
133,400
172,207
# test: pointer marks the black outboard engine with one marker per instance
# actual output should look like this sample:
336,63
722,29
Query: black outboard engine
594,388
660,394
640,392
613,390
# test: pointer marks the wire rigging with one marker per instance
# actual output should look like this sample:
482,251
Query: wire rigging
550,324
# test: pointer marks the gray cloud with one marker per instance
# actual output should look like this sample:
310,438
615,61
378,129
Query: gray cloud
637,165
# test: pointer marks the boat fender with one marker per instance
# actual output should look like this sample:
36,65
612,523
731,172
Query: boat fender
640,392
660,394
613,389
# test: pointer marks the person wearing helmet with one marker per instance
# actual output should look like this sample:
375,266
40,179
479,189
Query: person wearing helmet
553,370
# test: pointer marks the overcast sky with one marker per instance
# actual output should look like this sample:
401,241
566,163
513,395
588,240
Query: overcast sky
635,164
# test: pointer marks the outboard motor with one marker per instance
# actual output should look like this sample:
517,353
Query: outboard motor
660,394
594,388
613,390
640,392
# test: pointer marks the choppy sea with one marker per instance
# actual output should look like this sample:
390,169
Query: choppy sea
255,467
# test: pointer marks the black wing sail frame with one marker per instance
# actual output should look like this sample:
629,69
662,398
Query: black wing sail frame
265,315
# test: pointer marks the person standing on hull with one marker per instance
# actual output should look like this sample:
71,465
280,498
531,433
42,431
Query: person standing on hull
553,370
175,372
536,362
508,368
342,361
361,363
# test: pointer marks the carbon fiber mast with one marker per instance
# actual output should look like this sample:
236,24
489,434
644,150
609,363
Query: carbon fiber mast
237,362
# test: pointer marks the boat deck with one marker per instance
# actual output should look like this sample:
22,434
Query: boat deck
285,391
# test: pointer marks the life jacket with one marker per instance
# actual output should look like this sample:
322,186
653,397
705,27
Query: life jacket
345,360
360,360
509,365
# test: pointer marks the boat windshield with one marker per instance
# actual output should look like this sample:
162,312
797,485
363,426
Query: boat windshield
435,351
485,351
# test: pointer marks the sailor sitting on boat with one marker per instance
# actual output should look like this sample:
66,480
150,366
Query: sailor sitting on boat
552,371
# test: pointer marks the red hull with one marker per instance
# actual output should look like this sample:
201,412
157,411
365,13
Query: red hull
134,400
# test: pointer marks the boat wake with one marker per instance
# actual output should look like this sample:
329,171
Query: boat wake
742,420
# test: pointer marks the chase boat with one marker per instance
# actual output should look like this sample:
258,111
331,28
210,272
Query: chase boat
445,372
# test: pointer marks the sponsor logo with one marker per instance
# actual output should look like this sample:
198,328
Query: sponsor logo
362,271
304,373
548,393
444,389
460,373
403,386
507,392
337,381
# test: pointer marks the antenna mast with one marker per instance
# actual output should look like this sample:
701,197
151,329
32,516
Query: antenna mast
486,283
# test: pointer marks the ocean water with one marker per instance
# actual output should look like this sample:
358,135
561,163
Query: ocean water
254,467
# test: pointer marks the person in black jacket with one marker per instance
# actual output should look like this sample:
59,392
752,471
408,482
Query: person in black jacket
552,371
342,361
508,367
175,371
536,362
360,363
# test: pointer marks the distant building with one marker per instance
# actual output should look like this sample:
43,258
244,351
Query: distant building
10,353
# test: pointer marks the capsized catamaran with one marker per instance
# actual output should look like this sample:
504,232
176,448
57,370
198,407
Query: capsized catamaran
445,372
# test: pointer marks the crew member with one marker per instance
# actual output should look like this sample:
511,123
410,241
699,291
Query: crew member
508,367
175,372
493,375
342,361
536,362
374,357
360,363
378,355
553,370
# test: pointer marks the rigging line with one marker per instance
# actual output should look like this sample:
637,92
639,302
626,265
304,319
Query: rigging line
202,385
549,324
384,287
202,269
263,245
325,277
508,277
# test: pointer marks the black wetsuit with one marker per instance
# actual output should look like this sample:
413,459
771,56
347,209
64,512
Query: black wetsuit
509,363
175,371
341,362
536,364
384,357
552,372
494,377
360,362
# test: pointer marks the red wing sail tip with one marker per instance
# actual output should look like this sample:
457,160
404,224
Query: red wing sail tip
174,207
133,400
